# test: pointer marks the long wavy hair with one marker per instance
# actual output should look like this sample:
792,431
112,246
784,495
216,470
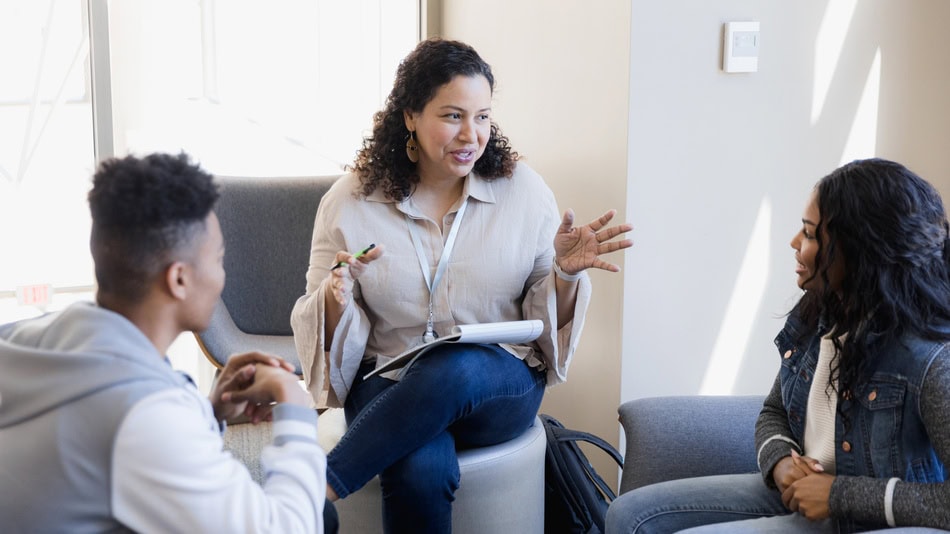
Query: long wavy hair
890,228
382,161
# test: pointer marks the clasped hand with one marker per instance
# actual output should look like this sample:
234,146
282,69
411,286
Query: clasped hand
579,248
804,485
250,383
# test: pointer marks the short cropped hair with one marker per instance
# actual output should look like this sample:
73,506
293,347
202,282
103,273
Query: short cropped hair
145,211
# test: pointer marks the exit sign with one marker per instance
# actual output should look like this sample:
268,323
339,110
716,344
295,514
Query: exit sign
34,295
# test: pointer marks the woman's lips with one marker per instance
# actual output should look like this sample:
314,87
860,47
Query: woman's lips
463,156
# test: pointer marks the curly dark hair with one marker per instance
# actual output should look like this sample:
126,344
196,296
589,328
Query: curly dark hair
143,211
382,161
890,227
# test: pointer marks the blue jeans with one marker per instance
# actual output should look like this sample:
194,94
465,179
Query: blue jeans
724,503
454,397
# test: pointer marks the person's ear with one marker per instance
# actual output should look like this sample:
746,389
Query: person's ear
176,277
409,118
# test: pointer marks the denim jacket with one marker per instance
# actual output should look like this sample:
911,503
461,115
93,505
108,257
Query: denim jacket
886,436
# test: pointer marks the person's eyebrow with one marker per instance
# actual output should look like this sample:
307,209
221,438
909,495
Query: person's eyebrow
457,108
806,221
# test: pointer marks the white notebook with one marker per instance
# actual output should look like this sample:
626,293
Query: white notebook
503,332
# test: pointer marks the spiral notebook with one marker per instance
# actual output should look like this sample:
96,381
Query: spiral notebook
502,332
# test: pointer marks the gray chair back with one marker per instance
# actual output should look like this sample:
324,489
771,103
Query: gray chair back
675,437
267,225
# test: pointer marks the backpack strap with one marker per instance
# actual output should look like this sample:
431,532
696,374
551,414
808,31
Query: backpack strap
566,434
558,433
576,435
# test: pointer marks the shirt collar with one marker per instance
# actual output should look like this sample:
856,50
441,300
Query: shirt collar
475,187
479,189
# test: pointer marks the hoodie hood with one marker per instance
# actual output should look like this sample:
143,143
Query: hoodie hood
61,357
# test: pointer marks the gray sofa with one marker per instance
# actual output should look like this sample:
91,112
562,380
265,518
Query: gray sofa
662,435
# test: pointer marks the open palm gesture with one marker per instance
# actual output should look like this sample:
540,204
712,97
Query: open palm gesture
579,248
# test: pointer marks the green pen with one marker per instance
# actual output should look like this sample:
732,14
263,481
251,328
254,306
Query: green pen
357,255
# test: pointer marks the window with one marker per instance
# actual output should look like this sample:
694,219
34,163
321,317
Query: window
46,155
247,87
251,87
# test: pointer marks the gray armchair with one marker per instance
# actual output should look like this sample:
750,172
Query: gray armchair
662,433
267,225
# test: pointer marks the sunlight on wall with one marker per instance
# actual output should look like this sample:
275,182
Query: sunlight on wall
723,366
828,46
862,139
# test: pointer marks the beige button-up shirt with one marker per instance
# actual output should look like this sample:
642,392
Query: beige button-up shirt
500,270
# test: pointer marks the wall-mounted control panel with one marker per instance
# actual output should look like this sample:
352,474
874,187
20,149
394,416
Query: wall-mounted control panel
740,47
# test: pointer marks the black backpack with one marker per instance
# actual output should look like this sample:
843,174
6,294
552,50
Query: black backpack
575,496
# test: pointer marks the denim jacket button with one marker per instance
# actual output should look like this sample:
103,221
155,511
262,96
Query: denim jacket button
788,354
845,446
873,395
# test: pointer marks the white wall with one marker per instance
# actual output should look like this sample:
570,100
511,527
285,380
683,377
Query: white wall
721,166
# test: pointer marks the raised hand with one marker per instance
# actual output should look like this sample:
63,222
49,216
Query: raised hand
579,248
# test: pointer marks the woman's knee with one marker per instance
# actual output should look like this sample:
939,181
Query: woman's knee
627,513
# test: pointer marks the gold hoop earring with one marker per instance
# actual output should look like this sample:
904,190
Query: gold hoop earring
412,149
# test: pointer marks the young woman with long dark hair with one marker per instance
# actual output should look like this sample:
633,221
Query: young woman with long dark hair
854,435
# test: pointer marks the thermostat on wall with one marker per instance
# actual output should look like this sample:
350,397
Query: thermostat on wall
740,47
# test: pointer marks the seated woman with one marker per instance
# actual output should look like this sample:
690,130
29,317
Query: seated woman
471,235
854,434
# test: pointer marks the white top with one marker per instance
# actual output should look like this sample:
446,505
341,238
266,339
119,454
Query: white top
171,474
820,415
500,270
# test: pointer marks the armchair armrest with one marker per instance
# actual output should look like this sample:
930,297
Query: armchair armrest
688,436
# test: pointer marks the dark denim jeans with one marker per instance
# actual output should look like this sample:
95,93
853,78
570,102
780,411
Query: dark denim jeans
456,396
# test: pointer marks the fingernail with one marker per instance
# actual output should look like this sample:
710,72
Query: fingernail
818,468
795,454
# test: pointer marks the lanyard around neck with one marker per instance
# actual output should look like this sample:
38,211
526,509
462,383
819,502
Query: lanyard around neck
432,281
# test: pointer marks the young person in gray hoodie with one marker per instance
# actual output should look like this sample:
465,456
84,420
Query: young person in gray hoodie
98,433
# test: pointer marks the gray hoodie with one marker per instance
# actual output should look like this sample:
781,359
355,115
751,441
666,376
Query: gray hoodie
99,434
66,382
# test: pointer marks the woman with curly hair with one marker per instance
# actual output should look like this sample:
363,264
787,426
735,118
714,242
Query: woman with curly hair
464,234
854,435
